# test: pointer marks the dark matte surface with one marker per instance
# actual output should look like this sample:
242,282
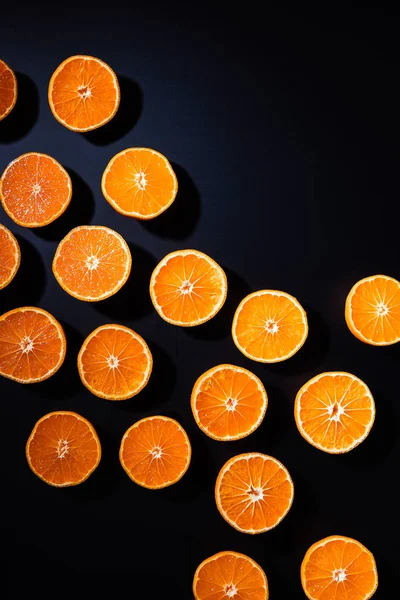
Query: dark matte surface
284,136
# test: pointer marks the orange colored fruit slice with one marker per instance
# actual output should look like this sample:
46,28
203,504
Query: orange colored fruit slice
339,567
92,262
230,575
32,344
83,93
253,492
10,256
35,190
114,362
8,90
140,183
63,449
188,288
228,402
372,310
334,411
269,326
155,452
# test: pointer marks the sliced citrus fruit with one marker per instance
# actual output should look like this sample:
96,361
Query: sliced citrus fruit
140,183
92,262
35,190
253,492
269,326
230,575
8,90
228,402
83,93
32,344
114,362
10,256
373,310
334,411
188,288
63,449
339,567
155,452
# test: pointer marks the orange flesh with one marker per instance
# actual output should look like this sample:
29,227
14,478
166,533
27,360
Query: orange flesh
155,452
9,256
91,262
339,568
8,90
188,288
375,310
83,93
32,346
140,182
35,190
115,363
335,412
269,327
63,449
229,403
219,577
254,493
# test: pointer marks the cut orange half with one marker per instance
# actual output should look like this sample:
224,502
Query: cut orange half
337,568
372,310
35,190
155,452
32,344
228,402
253,492
140,183
92,262
83,93
230,575
188,288
269,326
8,90
63,449
10,256
114,362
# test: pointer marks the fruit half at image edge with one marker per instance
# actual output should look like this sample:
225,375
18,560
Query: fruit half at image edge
8,90
10,256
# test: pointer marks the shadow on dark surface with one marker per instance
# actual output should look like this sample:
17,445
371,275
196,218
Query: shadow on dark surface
25,112
79,211
160,386
133,299
27,287
278,421
180,219
312,353
126,117
219,327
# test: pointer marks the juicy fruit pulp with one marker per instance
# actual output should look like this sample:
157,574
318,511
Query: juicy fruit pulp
10,256
8,90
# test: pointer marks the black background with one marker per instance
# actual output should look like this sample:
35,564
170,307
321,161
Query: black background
283,131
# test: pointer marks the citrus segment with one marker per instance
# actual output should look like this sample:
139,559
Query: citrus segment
230,575
10,256
63,449
253,492
114,362
228,402
155,452
269,326
188,288
140,183
339,567
372,310
83,93
334,411
92,262
8,90
35,190
32,344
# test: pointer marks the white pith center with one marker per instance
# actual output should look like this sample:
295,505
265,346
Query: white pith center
141,181
36,189
112,361
62,448
156,452
256,494
339,575
230,590
271,326
382,309
26,344
335,411
84,91
92,262
186,287
231,404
